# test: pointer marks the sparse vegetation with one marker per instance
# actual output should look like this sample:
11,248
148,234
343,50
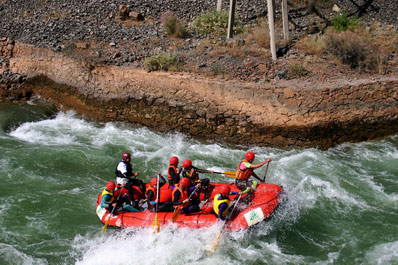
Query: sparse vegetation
259,34
296,71
216,23
173,26
318,41
162,62
343,23
217,69
313,45
348,47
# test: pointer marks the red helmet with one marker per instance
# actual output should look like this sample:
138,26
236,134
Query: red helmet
250,156
174,160
185,182
154,181
126,156
225,189
187,164
110,186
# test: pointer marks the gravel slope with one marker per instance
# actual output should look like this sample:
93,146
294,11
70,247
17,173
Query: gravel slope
60,24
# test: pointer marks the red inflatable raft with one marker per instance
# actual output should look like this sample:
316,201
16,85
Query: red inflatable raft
250,211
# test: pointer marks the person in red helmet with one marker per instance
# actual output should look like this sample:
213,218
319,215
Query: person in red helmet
191,172
245,170
173,173
181,195
222,202
152,199
124,173
187,170
110,199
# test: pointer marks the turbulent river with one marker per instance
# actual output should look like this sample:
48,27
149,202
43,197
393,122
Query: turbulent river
342,203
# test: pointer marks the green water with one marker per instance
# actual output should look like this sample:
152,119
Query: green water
342,203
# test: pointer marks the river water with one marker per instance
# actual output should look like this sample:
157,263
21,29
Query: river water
342,203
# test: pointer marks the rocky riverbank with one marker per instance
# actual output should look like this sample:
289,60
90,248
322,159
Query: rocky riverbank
283,114
82,55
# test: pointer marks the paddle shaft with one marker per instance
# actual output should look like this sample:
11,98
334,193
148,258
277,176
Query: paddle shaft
157,195
230,174
266,171
156,220
224,225
180,207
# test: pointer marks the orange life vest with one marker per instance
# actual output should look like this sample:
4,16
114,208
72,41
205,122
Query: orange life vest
151,188
169,177
243,174
184,193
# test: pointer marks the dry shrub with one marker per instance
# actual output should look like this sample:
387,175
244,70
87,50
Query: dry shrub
313,45
296,71
385,37
383,42
162,62
173,26
236,50
348,47
259,34
217,69
366,49
253,41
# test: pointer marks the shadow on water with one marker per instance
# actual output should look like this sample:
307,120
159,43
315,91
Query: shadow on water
13,115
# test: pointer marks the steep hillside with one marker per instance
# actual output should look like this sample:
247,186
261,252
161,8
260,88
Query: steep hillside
93,30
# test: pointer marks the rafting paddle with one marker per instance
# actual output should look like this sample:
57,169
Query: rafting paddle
230,174
114,207
214,246
156,223
180,207
266,170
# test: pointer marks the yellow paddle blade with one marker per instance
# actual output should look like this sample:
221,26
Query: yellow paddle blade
230,174
156,224
215,244
106,224
176,214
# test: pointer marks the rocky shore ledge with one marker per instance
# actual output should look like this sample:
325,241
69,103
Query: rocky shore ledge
286,113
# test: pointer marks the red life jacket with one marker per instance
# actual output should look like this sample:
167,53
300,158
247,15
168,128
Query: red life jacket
243,174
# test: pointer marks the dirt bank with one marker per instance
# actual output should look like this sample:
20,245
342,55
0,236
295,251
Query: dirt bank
283,113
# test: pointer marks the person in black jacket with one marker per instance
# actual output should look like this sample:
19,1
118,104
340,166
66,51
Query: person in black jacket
124,173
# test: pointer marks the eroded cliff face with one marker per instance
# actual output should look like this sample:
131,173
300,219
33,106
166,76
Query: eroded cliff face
289,113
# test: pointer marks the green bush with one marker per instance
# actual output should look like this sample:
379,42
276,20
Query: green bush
172,26
343,23
162,62
216,23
